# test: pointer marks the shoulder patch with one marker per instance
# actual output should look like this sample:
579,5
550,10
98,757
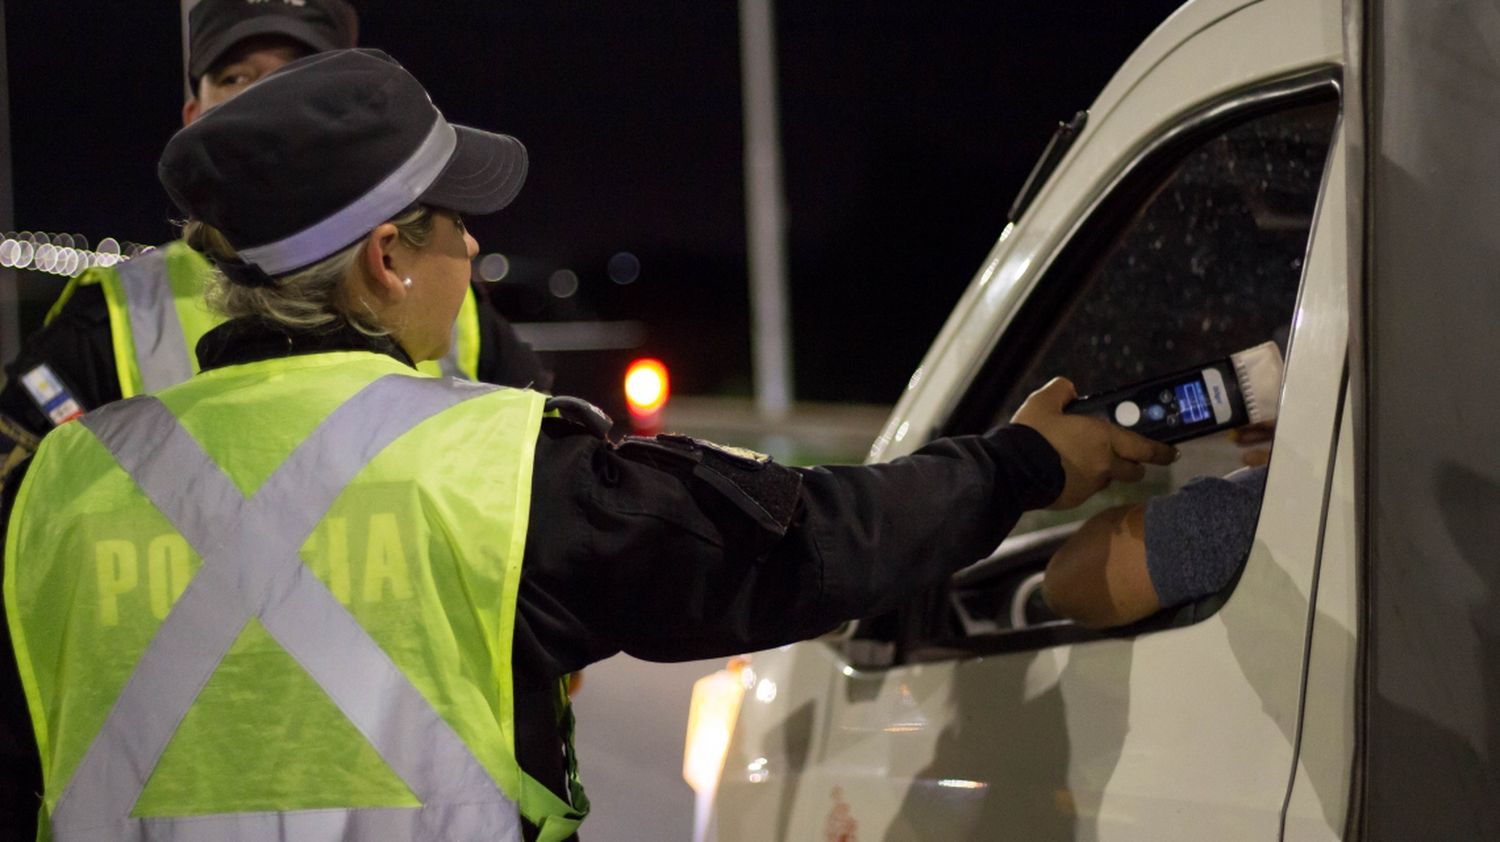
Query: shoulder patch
50,395
581,413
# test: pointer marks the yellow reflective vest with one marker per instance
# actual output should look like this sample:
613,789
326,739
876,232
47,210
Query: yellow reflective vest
277,602
157,315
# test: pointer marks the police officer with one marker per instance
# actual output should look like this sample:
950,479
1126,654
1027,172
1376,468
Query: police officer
307,595
130,329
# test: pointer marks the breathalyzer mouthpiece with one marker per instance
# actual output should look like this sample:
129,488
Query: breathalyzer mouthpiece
1258,371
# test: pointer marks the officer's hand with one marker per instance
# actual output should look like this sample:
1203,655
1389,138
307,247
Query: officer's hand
1093,452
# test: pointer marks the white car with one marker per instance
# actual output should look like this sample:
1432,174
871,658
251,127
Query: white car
1203,204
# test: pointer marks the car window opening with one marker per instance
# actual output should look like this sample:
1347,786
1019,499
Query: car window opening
1204,260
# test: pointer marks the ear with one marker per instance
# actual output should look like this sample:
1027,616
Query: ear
380,258
191,110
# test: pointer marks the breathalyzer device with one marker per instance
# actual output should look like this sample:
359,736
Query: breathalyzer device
1244,388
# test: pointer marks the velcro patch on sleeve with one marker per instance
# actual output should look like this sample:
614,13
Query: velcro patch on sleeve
767,493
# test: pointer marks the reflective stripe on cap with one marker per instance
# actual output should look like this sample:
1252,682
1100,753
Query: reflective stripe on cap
392,195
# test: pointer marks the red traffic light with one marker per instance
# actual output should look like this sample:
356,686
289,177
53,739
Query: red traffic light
646,387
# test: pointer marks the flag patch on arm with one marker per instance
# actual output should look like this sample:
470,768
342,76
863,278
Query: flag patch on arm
50,395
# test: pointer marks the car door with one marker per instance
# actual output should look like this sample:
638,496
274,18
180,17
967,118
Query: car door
966,715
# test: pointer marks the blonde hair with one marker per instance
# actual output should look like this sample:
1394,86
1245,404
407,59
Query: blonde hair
309,298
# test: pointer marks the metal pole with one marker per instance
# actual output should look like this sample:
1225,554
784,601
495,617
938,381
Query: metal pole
765,212
10,299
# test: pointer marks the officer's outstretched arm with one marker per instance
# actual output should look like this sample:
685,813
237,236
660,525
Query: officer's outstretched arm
674,549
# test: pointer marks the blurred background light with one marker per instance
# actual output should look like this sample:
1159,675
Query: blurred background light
646,387
60,254
563,283
624,268
494,267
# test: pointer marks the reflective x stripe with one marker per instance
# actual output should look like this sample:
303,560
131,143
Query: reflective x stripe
251,567
161,352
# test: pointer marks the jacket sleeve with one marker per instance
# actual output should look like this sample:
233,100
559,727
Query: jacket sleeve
674,551
1198,537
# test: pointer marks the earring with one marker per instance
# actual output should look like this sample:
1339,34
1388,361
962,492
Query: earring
406,283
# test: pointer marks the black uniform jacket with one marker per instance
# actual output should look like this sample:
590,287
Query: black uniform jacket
672,549
78,348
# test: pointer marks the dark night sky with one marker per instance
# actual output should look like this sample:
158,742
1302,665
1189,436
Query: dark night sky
907,129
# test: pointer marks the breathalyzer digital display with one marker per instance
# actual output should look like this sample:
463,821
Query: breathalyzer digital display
1192,402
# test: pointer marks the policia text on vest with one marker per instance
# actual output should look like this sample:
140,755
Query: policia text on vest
363,557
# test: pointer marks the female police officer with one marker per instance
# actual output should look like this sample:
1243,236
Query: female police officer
309,594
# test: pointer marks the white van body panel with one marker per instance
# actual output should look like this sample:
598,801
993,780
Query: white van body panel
1320,792
1190,733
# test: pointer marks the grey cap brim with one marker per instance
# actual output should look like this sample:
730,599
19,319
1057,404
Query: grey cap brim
484,174
314,37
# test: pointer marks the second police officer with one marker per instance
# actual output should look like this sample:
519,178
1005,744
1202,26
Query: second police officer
132,328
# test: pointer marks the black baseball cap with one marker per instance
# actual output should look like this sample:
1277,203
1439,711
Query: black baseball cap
311,158
216,25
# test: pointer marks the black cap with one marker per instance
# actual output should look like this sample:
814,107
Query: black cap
315,155
216,25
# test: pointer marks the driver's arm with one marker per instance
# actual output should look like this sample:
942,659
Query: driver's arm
1098,578
1129,562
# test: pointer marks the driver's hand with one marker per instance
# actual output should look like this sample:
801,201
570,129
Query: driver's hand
1093,452
1259,433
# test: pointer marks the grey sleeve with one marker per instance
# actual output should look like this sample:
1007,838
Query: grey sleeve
1198,537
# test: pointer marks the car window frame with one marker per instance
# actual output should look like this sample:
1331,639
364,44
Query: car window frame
1013,349
1093,231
